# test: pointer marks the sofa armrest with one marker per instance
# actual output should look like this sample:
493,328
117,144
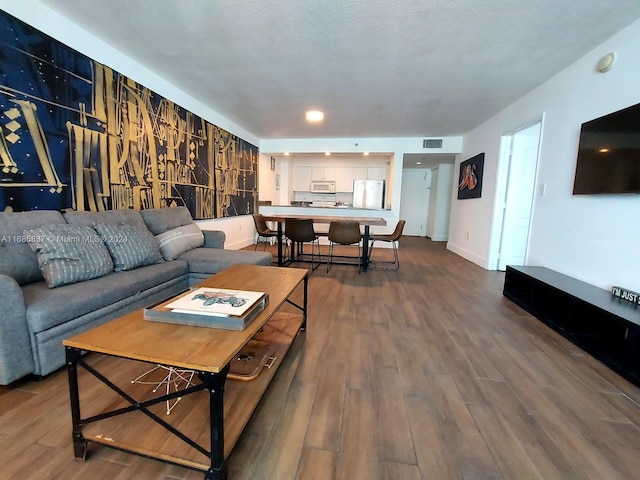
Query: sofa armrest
16,358
214,238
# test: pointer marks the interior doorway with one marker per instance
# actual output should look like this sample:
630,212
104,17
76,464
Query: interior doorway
519,152
414,201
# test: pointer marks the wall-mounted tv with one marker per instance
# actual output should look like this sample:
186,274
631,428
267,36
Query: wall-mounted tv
609,154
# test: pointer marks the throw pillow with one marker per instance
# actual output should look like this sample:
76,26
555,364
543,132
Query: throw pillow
175,242
130,246
69,253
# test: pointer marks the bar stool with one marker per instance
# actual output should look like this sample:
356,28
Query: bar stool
301,231
344,233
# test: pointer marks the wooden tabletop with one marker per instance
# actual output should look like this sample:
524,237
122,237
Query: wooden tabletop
279,217
194,348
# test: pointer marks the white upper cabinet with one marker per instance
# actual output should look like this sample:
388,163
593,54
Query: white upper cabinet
344,179
343,176
376,173
302,179
323,173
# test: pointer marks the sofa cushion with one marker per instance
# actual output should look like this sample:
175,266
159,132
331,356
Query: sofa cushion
47,308
131,217
130,246
160,220
17,258
69,253
177,241
213,260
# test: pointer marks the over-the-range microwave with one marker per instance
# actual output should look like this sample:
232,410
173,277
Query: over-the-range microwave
323,187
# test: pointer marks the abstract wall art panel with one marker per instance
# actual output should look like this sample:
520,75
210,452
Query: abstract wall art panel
76,134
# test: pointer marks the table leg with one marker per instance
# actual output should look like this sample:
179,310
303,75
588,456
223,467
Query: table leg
304,301
280,259
365,249
214,384
79,443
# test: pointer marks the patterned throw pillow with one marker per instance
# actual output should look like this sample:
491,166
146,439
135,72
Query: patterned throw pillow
175,242
69,253
130,246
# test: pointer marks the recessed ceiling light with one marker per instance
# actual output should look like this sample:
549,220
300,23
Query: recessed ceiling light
418,163
366,154
327,153
286,154
314,116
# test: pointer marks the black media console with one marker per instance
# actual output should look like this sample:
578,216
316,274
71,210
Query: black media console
603,325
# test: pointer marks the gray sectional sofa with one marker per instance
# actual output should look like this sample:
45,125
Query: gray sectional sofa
57,280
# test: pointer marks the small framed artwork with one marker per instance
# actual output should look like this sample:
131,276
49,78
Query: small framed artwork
470,180
273,164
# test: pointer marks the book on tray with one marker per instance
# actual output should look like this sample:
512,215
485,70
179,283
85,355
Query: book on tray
210,307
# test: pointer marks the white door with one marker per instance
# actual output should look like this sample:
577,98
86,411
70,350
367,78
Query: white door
524,146
414,201
431,216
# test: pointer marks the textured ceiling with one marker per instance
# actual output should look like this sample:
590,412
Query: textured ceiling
399,68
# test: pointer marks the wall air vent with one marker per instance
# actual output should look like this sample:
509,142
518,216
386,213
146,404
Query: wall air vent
432,143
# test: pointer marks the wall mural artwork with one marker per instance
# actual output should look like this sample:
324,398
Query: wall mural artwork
76,134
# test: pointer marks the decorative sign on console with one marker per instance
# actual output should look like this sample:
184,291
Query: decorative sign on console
627,295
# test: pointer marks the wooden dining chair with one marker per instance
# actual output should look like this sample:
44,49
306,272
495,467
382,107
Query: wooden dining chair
344,233
301,231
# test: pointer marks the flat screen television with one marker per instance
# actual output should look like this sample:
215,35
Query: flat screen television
609,154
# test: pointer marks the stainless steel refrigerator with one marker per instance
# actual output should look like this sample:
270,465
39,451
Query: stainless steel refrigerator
368,194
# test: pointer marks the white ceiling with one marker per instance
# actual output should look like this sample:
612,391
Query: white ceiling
403,68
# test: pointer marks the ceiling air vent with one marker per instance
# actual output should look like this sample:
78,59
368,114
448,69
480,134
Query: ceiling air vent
432,143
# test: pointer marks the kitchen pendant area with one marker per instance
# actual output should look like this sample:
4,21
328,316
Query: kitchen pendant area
340,181
321,185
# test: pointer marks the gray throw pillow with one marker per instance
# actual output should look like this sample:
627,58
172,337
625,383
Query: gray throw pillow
69,253
175,242
130,246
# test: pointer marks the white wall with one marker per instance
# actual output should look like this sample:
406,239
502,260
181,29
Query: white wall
592,238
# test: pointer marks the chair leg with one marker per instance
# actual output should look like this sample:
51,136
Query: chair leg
395,255
329,256
371,249
395,265
316,243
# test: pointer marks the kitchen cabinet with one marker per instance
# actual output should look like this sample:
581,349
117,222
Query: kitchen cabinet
323,173
345,177
302,179
376,173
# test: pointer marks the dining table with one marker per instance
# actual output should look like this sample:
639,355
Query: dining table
366,222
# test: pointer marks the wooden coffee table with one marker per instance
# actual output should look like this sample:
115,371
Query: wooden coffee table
109,409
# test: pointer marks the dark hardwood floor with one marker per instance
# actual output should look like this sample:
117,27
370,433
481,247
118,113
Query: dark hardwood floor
424,373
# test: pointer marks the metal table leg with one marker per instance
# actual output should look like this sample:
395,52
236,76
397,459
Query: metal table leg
365,249
214,384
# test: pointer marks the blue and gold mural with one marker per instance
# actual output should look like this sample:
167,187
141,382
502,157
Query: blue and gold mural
76,134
